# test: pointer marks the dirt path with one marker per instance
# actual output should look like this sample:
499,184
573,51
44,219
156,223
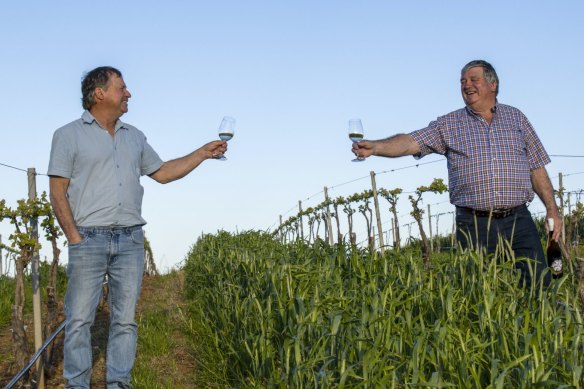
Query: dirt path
160,295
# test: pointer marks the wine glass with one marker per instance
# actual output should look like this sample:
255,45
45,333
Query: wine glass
225,133
356,134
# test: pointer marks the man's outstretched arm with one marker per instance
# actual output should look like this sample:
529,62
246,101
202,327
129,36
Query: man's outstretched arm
395,146
178,168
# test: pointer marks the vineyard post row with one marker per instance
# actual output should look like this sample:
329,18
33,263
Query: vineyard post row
329,234
380,232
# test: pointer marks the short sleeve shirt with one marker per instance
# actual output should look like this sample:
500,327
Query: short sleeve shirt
104,171
489,165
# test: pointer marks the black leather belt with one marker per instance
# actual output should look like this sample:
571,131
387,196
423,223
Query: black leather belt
497,213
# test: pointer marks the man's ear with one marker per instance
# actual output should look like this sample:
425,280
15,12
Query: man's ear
493,86
98,94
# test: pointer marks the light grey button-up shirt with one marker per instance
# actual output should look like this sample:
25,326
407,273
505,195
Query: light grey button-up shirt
104,171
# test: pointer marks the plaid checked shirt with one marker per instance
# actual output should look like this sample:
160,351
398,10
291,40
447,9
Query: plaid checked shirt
488,165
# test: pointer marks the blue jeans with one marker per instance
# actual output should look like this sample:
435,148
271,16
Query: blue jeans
518,229
119,253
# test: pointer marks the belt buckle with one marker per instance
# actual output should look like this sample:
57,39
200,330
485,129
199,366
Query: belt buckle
501,213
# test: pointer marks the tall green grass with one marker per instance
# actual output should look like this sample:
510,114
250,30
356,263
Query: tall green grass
316,316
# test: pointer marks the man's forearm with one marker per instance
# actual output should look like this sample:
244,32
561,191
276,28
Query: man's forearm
543,187
62,209
65,218
178,168
396,146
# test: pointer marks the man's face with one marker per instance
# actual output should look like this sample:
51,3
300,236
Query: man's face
476,91
116,95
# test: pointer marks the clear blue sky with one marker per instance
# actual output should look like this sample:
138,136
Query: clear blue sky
292,74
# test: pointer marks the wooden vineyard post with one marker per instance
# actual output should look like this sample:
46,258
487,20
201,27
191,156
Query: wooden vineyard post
328,217
377,213
438,243
300,219
393,232
36,292
430,229
282,235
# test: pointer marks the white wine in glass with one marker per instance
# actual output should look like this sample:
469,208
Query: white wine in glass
226,131
356,134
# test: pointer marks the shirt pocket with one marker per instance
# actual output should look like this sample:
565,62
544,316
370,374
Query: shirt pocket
512,139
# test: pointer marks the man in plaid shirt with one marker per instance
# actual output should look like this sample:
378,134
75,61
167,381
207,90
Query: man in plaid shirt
495,164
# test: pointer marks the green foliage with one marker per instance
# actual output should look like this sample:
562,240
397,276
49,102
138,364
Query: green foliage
21,218
301,315
6,300
22,244
391,196
7,291
44,271
437,186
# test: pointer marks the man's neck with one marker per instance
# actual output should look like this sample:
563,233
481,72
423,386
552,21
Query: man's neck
105,120
486,111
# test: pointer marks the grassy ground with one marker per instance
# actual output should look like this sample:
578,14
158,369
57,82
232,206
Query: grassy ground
165,357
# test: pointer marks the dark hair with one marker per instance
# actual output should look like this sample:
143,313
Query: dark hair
96,78
489,70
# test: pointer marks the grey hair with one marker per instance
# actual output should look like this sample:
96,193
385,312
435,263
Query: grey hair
96,78
489,71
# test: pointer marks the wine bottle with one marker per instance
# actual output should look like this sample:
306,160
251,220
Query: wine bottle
554,253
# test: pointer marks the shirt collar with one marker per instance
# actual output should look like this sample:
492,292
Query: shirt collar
493,109
88,118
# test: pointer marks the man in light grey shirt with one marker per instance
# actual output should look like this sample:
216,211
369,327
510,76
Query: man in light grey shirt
103,171
95,168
